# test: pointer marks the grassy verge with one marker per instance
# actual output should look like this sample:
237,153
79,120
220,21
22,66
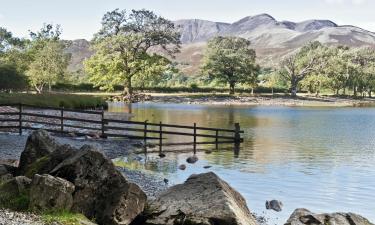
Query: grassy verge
65,218
71,101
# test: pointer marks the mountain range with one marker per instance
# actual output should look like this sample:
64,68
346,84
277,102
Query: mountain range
270,38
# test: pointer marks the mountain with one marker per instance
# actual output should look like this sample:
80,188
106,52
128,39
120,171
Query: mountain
271,39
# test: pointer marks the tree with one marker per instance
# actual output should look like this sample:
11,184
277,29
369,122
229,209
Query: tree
296,67
11,78
124,45
49,61
7,41
230,60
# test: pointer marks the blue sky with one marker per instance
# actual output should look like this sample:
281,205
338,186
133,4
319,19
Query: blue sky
81,18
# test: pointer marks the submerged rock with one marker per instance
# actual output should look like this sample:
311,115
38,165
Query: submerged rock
203,199
48,192
274,205
305,217
182,167
192,159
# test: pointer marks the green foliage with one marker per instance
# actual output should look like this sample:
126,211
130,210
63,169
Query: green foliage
71,101
230,60
12,199
64,218
11,79
121,49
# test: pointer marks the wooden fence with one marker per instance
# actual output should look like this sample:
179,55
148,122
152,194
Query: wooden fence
89,122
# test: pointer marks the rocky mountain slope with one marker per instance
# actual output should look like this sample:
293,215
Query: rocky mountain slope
272,39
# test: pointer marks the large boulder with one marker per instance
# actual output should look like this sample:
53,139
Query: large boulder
50,193
101,192
203,199
38,145
305,217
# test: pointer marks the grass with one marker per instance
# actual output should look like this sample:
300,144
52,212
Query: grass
71,101
65,218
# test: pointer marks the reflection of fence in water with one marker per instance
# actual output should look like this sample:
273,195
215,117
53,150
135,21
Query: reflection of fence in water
84,122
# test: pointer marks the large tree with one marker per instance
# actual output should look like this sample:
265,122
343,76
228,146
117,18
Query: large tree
48,59
125,48
231,60
297,66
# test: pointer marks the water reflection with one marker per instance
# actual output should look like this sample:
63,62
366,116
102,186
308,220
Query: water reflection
318,158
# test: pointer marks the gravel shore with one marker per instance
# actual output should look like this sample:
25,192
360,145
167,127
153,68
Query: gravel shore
8,217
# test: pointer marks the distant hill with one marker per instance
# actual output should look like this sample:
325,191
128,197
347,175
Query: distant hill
272,39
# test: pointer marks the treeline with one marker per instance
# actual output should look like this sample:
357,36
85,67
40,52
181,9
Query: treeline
135,49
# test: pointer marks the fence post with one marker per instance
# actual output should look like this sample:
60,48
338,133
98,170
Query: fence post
102,115
217,139
160,138
195,138
237,135
20,118
145,136
62,119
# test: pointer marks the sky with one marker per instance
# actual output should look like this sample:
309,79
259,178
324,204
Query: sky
81,18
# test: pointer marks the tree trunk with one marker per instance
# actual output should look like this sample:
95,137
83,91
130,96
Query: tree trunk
355,91
231,88
369,93
252,91
128,89
293,88
272,91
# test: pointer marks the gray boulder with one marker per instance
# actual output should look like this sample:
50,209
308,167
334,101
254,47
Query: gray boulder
38,145
203,199
48,192
192,159
305,217
101,192
274,205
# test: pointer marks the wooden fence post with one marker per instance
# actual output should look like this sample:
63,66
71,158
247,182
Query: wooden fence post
145,136
20,118
103,132
217,139
160,138
237,135
195,138
62,119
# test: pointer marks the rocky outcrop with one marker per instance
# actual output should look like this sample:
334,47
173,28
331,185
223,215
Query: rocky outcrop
38,145
203,199
50,193
101,191
274,205
305,217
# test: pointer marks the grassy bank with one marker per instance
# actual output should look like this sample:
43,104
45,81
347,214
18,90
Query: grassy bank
71,101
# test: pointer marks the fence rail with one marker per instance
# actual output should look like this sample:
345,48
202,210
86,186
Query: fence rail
64,123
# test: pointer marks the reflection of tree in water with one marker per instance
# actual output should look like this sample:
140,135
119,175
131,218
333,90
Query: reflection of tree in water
166,166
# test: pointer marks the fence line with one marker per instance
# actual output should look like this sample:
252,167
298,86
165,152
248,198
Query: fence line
112,127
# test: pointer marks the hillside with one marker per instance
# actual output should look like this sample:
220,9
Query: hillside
272,39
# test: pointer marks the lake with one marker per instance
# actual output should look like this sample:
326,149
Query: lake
322,159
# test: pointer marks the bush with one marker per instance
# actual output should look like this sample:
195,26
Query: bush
11,79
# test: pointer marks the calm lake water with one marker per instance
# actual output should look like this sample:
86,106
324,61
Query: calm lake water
322,159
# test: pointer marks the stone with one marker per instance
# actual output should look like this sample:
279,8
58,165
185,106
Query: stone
305,217
203,199
7,169
14,193
182,167
162,155
274,205
207,167
48,192
5,177
102,192
192,159
38,145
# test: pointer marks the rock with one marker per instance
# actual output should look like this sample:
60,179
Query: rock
305,217
207,167
48,192
208,151
72,134
5,177
166,181
14,193
162,155
182,167
38,145
10,162
192,159
203,199
274,205
101,190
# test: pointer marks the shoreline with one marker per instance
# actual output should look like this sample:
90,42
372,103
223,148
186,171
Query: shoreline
261,100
